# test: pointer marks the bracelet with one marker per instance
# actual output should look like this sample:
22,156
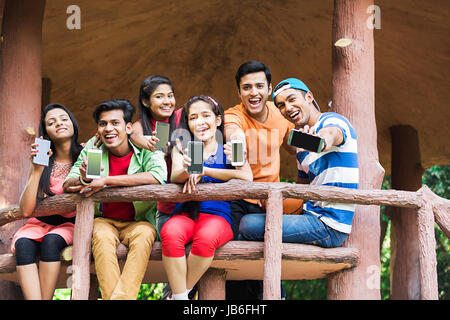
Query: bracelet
324,145
84,183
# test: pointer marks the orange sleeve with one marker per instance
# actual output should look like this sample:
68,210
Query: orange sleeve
234,116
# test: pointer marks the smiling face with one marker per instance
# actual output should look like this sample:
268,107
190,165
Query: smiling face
296,107
58,125
113,131
254,92
162,102
202,121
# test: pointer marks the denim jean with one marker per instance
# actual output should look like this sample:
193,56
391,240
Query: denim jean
304,228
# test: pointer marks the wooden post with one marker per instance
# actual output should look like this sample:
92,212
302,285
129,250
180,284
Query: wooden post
82,236
353,80
427,246
212,285
406,174
20,106
272,246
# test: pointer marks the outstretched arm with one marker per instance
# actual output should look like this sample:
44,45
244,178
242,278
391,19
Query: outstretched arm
27,202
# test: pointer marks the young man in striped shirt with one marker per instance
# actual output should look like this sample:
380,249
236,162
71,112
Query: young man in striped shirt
322,223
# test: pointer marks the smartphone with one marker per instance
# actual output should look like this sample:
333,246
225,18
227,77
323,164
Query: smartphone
42,156
237,153
306,141
94,163
195,152
162,133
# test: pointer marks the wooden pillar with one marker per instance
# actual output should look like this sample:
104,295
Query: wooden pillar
82,236
212,285
20,106
272,246
427,247
353,80
406,174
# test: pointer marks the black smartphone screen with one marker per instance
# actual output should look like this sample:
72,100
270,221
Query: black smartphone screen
305,141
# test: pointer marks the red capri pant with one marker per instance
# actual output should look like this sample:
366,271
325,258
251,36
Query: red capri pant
206,234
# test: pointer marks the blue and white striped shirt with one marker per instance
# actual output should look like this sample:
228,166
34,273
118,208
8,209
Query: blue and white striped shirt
337,167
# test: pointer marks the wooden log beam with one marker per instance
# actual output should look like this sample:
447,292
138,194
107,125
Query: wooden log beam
272,246
232,190
7,263
82,236
51,205
212,285
427,256
232,250
441,208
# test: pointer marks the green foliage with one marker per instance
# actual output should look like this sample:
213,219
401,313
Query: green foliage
62,294
437,178
305,289
151,291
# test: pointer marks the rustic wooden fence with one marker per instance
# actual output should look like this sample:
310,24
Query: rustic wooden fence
430,208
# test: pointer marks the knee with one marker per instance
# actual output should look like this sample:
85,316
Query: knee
103,237
252,226
207,240
173,242
26,251
204,245
143,235
51,247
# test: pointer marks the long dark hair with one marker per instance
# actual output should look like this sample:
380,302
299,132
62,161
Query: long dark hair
75,148
216,108
145,114
193,207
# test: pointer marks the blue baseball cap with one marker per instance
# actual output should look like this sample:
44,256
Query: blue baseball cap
292,83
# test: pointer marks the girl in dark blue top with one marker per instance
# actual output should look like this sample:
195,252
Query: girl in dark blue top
207,224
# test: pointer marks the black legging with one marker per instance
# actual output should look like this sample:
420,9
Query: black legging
50,249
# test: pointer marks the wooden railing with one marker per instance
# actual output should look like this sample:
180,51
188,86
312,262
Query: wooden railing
430,208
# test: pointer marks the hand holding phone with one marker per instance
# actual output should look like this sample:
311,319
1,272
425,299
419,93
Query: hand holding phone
306,141
42,152
195,152
237,153
94,163
162,133
151,141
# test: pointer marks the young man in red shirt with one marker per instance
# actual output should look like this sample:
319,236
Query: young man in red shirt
130,223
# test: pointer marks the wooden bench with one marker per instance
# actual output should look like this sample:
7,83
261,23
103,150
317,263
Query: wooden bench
236,260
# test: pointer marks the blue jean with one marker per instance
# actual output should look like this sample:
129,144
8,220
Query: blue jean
304,228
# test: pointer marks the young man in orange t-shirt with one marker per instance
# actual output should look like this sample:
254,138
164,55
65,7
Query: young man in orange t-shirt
263,130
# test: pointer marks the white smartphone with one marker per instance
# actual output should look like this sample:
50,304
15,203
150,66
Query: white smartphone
94,163
195,152
162,133
42,156
237,153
